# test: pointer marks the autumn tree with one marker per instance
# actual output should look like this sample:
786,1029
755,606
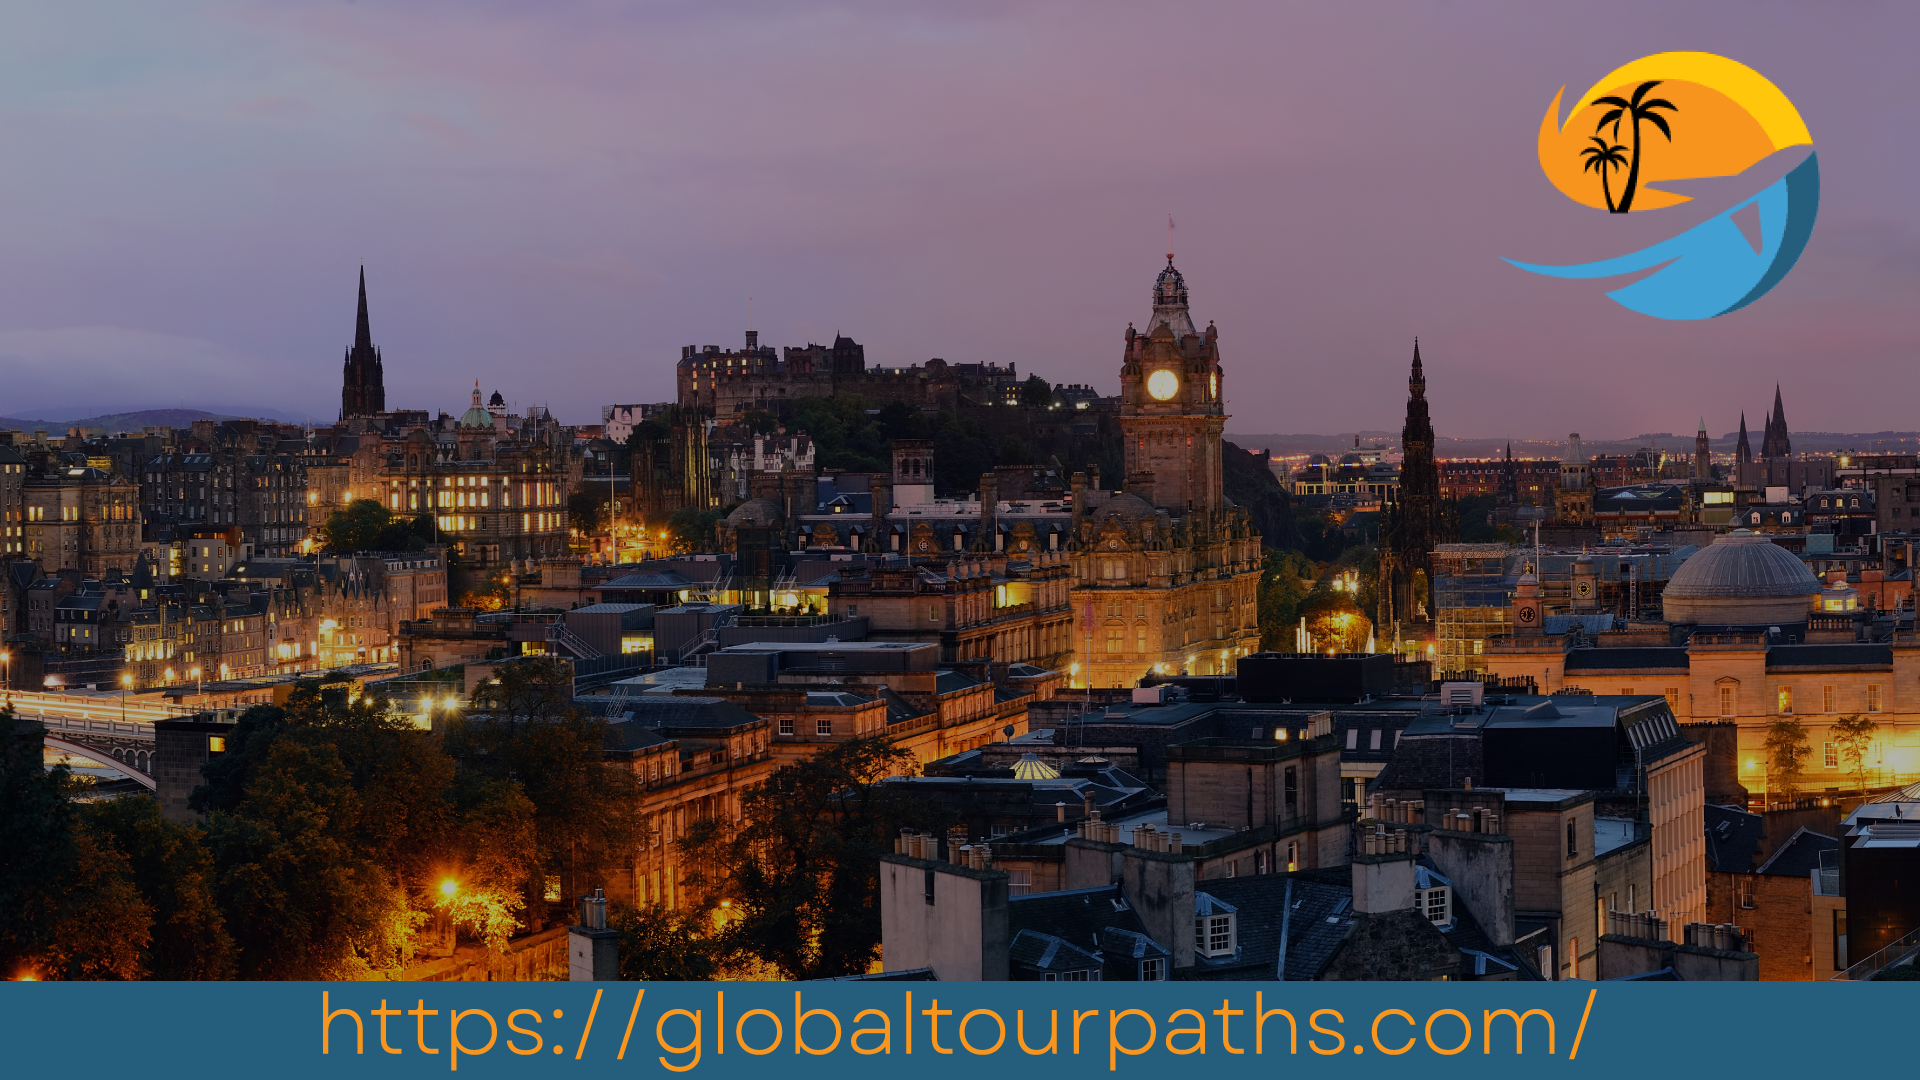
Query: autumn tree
173,873
801,871
68,906
1853,736
524,729
1285,581
366,525
660,944
302,900
1787,752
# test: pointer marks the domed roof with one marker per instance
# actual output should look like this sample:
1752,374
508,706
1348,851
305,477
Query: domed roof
1127,507
1742,564
475,416
756,513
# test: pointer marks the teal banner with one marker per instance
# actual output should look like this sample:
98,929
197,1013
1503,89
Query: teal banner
849,1030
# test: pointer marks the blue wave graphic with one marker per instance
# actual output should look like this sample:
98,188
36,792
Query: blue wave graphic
1711,269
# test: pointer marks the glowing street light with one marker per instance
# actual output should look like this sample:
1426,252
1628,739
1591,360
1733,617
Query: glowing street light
449,887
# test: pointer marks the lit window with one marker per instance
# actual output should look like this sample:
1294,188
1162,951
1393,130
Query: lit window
1830,755
1786,700
1873,697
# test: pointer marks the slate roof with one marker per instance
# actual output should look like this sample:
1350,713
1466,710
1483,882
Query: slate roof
1800,855
666,580
1433,761
1733,839
1077,918
946,682
627,735
1558,625
899,709
1828,657
1395,945
1321,915
687,712
1627,659
1047,953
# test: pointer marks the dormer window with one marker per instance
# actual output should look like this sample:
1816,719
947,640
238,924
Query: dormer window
1215,927
1433,896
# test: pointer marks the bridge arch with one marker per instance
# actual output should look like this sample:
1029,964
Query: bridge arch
101,757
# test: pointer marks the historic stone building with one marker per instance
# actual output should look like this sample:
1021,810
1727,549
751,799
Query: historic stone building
79,518
1167,570
1749,636
1163,574
727,384
497,494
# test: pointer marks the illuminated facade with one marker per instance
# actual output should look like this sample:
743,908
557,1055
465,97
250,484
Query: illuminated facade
80,518
495,496
1165,572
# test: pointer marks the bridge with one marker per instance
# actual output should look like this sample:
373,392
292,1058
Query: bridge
100,729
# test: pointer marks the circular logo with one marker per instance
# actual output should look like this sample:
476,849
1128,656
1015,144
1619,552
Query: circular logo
1673,129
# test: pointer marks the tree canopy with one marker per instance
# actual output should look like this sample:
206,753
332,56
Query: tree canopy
334,831
365,525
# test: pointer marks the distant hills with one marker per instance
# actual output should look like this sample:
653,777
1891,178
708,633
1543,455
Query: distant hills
1812,442
128,421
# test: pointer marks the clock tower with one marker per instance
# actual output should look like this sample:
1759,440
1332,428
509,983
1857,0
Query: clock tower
1171,418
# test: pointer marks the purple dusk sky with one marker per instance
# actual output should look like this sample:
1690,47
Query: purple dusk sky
553,198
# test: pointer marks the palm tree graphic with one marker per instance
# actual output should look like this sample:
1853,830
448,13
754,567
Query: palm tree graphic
1601,157
1635,111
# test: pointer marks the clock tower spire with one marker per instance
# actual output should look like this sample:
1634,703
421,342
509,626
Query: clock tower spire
1171,418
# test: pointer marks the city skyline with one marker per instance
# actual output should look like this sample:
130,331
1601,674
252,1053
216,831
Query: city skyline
537,211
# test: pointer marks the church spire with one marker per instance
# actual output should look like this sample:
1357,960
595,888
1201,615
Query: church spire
362,333
1417,382
1743,450
1777,444
363,390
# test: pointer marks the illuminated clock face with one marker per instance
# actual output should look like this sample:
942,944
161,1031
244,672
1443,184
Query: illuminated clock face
1163,385
1526,614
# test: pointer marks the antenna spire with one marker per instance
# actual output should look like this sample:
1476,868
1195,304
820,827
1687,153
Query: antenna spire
1169,239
